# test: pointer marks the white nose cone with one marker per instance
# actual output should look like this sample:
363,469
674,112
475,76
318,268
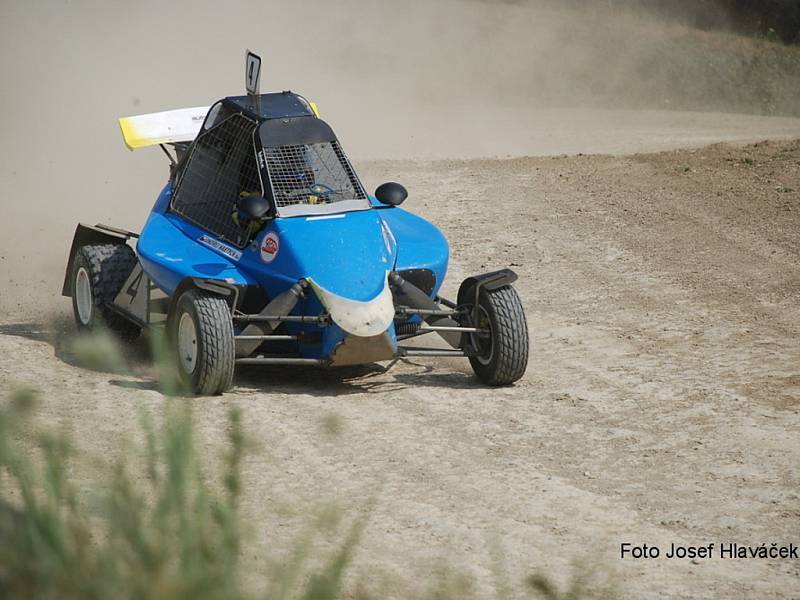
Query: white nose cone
363,319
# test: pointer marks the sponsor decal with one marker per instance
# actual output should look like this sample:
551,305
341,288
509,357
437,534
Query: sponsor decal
270,246
220,247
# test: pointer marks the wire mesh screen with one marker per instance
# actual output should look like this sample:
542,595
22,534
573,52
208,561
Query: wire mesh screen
311,174
221,166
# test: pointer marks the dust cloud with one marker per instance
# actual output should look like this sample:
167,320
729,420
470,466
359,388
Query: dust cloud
452,78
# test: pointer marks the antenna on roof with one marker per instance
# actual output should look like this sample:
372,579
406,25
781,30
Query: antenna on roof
252,76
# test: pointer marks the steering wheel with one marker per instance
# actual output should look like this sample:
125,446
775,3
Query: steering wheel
320,189
315,190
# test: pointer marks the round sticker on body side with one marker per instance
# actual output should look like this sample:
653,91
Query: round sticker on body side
269,247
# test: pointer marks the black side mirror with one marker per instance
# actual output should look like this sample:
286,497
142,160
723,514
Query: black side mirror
391,193
252,207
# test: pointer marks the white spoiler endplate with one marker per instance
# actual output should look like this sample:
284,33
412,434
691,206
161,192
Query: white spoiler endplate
181,125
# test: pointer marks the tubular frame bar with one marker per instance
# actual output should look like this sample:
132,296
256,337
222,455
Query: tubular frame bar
445,302
405,310
117,230
321,320
317,362
413,351
417,333
266,338
445,328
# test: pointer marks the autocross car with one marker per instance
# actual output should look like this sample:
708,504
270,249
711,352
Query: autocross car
264,249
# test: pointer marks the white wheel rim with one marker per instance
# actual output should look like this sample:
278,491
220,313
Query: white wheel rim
187,343
83,296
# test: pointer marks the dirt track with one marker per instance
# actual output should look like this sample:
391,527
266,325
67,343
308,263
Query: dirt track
661,404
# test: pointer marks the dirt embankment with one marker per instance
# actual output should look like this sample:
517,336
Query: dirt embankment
661,404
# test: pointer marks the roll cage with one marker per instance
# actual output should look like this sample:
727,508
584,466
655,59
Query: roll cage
273,145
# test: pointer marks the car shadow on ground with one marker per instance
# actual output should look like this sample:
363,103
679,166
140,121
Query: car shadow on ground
370,378
313,381
134,359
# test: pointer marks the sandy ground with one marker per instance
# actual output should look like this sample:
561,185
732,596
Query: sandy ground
661,403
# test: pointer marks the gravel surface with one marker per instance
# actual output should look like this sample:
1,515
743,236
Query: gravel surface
661,403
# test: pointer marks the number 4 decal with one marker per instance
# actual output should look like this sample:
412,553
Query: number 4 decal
252,73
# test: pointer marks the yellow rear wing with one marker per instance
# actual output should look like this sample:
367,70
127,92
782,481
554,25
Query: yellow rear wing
166,127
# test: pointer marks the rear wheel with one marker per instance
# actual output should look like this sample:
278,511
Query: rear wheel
501,353
201,330
98,273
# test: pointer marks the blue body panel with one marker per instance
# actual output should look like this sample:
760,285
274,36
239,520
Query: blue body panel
169,255
348,254
420,244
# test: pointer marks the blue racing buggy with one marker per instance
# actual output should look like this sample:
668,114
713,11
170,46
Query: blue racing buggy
264,249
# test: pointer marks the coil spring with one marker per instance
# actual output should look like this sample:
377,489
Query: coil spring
406,328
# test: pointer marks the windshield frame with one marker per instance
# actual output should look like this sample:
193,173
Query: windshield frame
275,135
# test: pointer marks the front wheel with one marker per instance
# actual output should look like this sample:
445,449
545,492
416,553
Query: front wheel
501,351
201,330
